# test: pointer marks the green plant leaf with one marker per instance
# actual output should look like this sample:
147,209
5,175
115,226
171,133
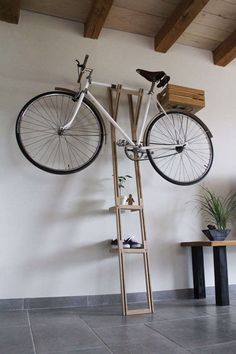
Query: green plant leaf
219,209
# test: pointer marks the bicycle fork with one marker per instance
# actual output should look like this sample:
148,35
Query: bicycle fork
78,105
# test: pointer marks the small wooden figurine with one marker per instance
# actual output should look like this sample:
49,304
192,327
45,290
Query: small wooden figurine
130,200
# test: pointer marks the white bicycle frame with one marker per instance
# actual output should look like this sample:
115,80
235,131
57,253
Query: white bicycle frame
98,105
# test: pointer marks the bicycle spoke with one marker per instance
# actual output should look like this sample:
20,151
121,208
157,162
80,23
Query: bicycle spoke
48,147
190,157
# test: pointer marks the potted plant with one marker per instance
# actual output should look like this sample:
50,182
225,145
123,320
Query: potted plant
219,211
121,185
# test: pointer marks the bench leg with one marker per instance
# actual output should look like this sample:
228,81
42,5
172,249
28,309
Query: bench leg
198,273
221,276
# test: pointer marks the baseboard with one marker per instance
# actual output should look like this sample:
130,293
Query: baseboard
98,300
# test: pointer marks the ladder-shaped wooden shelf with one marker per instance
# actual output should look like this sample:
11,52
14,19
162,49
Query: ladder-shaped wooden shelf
114,97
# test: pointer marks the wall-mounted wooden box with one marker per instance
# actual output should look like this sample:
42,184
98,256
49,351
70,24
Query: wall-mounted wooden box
180,97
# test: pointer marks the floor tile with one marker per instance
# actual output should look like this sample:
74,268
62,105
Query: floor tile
58,316
159,345
63,336
171,311
195,332
13,318
102,350
15,340
226,348
220,310
176,327
102,321
103,310
91,351
122,334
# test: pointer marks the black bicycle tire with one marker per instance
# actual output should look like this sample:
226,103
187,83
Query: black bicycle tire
45,168
149,155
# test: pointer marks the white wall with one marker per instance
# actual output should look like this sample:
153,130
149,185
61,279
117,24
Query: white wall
54,229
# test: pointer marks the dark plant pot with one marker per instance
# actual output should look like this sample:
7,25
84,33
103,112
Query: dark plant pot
216,234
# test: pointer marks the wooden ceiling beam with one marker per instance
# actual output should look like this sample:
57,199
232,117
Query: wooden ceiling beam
226,51
177,23
96,18
10,10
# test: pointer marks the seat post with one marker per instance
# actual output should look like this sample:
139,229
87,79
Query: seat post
152,88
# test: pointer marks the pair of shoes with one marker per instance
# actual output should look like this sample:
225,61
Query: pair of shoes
114,244
133,243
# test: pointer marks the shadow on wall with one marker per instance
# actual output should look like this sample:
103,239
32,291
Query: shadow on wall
66,213
70,265
72,256
82,208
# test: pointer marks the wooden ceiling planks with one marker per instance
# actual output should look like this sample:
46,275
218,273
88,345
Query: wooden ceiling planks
133,21
216,34
196,41
209,20
96,18
160,8
177,23
10,11
222,8
212,26
209,29
226,51
69,9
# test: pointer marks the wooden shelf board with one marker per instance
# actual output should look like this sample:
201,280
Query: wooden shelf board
129,250
125,208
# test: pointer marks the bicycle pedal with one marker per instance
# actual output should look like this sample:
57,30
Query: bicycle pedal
122,142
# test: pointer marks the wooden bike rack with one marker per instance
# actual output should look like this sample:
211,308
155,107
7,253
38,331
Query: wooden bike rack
114,98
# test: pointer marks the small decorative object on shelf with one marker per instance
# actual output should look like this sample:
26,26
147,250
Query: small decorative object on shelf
130,200
133,242
121,184
219,211
129,242
114,244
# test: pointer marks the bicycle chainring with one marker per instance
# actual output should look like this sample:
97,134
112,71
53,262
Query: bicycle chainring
134,153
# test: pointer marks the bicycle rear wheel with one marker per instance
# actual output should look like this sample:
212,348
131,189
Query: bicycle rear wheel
182,149
42,143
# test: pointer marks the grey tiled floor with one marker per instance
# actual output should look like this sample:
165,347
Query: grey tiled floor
176,327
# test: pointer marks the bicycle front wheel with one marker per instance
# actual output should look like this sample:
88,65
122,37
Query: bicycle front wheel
180,144
43,144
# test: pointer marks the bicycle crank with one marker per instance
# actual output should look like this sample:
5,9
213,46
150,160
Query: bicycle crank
135,153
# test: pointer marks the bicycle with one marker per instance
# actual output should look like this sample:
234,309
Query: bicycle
62,132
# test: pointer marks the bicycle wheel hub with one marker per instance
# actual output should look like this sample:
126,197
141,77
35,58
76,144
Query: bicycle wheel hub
180,149
60,131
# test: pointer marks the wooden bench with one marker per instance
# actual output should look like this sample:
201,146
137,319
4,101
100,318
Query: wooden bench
220,269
